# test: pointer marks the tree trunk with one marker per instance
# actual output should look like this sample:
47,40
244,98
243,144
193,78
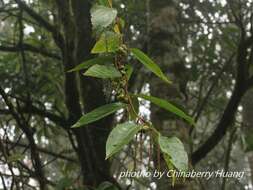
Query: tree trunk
83,94
248,123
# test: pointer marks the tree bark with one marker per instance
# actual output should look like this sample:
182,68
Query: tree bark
248,123
83,94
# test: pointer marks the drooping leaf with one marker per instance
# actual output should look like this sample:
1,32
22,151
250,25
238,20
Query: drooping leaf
102,16
98,114
108,42
103,71
174,152
149,63
98,60
121,135
167,106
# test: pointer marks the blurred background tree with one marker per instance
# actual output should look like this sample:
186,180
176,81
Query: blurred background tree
206,47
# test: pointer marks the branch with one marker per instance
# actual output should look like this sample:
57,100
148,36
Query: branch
209,92
220,131
36,16
40,112
29,134
44,113
231,140
45,151
30,48
228,115
44,23
32,109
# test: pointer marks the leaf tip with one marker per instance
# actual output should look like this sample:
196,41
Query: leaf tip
76,125
168,81
71,70
108,156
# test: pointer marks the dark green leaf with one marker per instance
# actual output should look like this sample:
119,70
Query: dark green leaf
104,3
103,71
121,135
98,60
149,63
102,16
99,113
174,152
108,42
167,106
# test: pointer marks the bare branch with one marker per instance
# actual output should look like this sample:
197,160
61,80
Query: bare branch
228,115
29,134
30,48
40,112
45,151
44,23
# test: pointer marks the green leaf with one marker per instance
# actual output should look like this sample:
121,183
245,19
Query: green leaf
104,3
98,113
149,63
108,42
103,71
167,106
174,152
121,135
102,16
98,60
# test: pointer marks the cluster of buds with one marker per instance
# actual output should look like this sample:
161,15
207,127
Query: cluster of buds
119,89
120,85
